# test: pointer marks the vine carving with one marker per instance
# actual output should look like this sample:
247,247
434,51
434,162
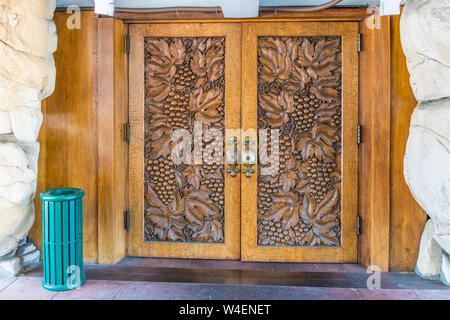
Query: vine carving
299,93
184,82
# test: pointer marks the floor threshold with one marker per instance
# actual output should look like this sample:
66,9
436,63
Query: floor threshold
346,276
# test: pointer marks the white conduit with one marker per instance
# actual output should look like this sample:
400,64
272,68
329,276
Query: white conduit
106,7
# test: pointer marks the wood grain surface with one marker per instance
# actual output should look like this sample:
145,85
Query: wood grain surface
347,252
137,246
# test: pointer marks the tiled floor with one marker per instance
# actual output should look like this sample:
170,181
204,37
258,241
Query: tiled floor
174,279
29,288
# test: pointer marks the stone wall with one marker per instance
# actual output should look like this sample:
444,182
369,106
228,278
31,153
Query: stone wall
27,76
425,34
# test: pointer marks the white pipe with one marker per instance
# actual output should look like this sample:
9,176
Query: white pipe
239,8
389,7
104,7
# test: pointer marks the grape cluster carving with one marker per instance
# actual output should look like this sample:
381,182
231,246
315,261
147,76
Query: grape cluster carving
184,82
299,93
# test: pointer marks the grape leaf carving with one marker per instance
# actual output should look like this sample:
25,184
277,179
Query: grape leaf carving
184,81
299,93
207,62
321,60
323,219
159,139
193,176
276,107
276,57
204,104
319,143
289,176
168,220
286,209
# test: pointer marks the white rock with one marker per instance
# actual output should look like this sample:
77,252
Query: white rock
427,159
10,267
5,123
19,193
26,224
429,261
13,96
444,241
42,9
17,221
27,75
26,96
11,155
445,269
7,244
11,175
27,70
425,30
30,260
31,150
27,34
11,216
25,123
25,248
11,19
10,254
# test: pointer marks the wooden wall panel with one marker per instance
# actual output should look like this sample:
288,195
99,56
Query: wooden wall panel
374,205
121,146
407,217
112,147
68,137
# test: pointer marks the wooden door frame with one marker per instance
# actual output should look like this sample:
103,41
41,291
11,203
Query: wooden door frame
112,110
374,171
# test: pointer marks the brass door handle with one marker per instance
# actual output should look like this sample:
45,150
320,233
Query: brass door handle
232,154
249,157
233,169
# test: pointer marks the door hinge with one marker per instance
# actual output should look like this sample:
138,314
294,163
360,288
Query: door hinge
127,220
358,225
127,44
359,42
127,132
359,134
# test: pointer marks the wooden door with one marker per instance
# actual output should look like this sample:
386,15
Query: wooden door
181,73
301,81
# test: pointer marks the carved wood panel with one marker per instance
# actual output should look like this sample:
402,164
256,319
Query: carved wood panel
299,94
184,82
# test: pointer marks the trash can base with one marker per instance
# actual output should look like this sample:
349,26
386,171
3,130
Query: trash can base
63,287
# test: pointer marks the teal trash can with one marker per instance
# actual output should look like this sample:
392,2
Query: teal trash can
62,229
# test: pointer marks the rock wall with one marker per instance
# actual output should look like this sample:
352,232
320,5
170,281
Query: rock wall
27,76
425,34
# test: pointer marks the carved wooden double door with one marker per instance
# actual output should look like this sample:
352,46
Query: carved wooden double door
243,141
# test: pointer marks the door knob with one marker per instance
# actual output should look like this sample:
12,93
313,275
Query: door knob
249,157
232,157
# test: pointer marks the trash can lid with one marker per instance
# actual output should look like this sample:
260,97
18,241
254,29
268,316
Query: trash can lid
62,194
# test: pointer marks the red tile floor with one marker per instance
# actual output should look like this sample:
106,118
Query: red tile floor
173,279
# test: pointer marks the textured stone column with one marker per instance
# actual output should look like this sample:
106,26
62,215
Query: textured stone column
27,75
425,34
